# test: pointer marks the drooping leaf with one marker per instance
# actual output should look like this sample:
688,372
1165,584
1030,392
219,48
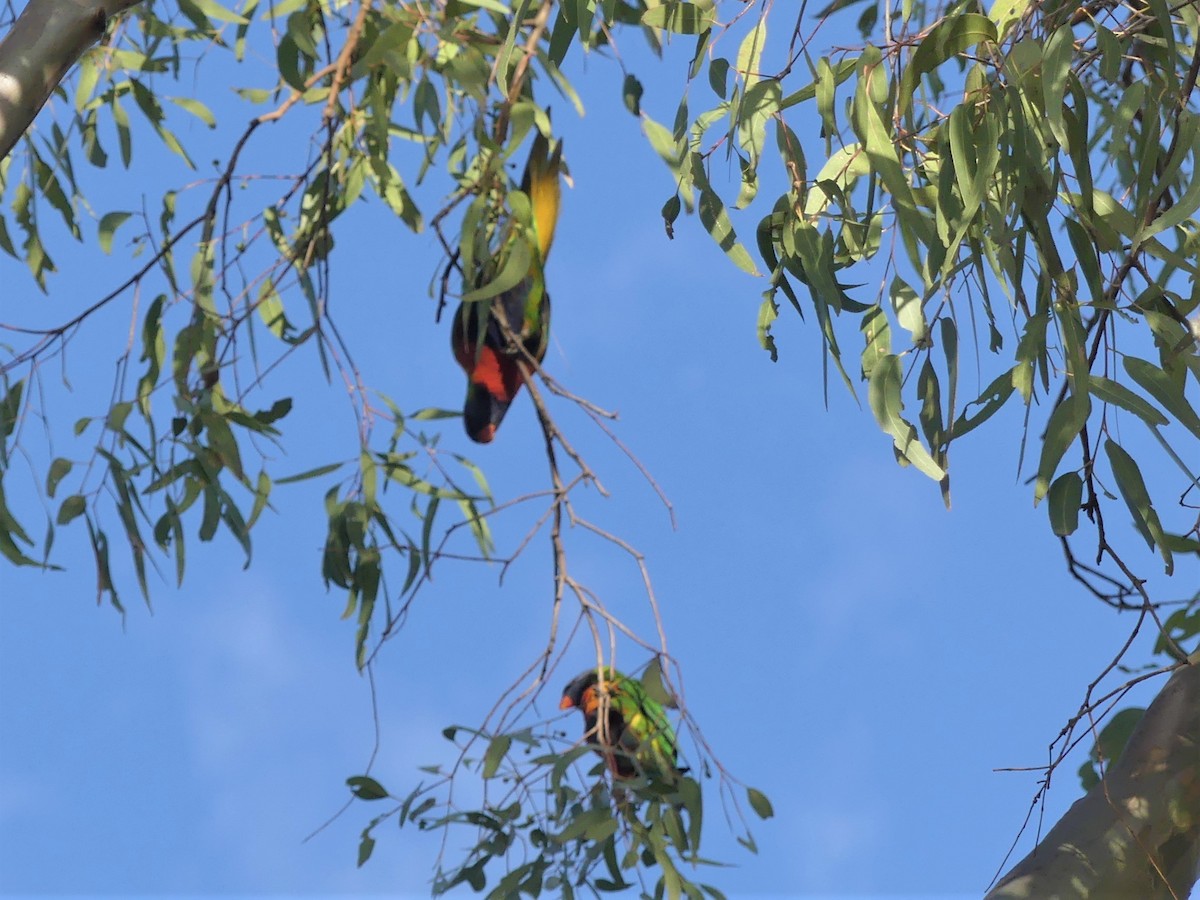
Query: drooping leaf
1133,490
759,803
1064,499
1064,426
495,755
1158,385
365,787
680,17
885,398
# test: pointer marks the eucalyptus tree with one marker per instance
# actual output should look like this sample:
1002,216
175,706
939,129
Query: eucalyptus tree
940,186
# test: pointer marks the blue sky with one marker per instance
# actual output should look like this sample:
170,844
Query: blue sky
862,655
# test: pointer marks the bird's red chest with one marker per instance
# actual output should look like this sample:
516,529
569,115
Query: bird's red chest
484,366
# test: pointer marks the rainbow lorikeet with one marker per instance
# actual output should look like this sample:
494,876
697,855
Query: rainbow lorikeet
637,738
494,364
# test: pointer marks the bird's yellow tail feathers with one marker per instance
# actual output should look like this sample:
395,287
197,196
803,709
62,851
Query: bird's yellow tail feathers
541,183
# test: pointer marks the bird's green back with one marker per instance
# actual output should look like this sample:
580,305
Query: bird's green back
649,736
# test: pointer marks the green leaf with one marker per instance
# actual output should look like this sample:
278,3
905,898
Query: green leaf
1118,395
197,109
262,492
365,847
838,74
655,686
1064,426
108,227
1180,626
396,470
718,77
366,788
58,471
949,37
430,413
872,123
215,10
10,528
1186,205
222,442
117,415
749,58
768,312
1158,385
840,172
514,270
1133,490
877,339
759,803
631,93
664,143
89,77
585,11
910,312
680,17
593,825
930,393
1056,69
71,508
51,190
10,409
311,473
670,212
1086,255
759,107
1064,498
1113,223
104,581
270,310
495,755
716,220
975,156
883,394
1006,13
427,105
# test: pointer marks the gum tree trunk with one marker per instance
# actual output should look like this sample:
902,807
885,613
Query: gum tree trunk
1137,833
39,50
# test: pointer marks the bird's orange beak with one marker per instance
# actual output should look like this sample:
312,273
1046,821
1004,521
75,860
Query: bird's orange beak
565,703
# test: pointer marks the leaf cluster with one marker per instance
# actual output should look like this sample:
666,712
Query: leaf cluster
550,822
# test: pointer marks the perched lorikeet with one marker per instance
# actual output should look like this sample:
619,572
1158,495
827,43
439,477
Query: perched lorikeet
494,365
637,738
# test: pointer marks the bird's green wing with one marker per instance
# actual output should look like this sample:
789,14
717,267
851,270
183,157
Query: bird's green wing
648,734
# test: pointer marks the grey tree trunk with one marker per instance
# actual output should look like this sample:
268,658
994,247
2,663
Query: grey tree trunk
39,50
1135,835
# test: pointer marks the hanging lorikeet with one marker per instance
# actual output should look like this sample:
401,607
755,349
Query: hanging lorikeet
494,366
638,737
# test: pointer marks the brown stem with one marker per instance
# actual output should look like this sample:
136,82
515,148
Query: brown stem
343,61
